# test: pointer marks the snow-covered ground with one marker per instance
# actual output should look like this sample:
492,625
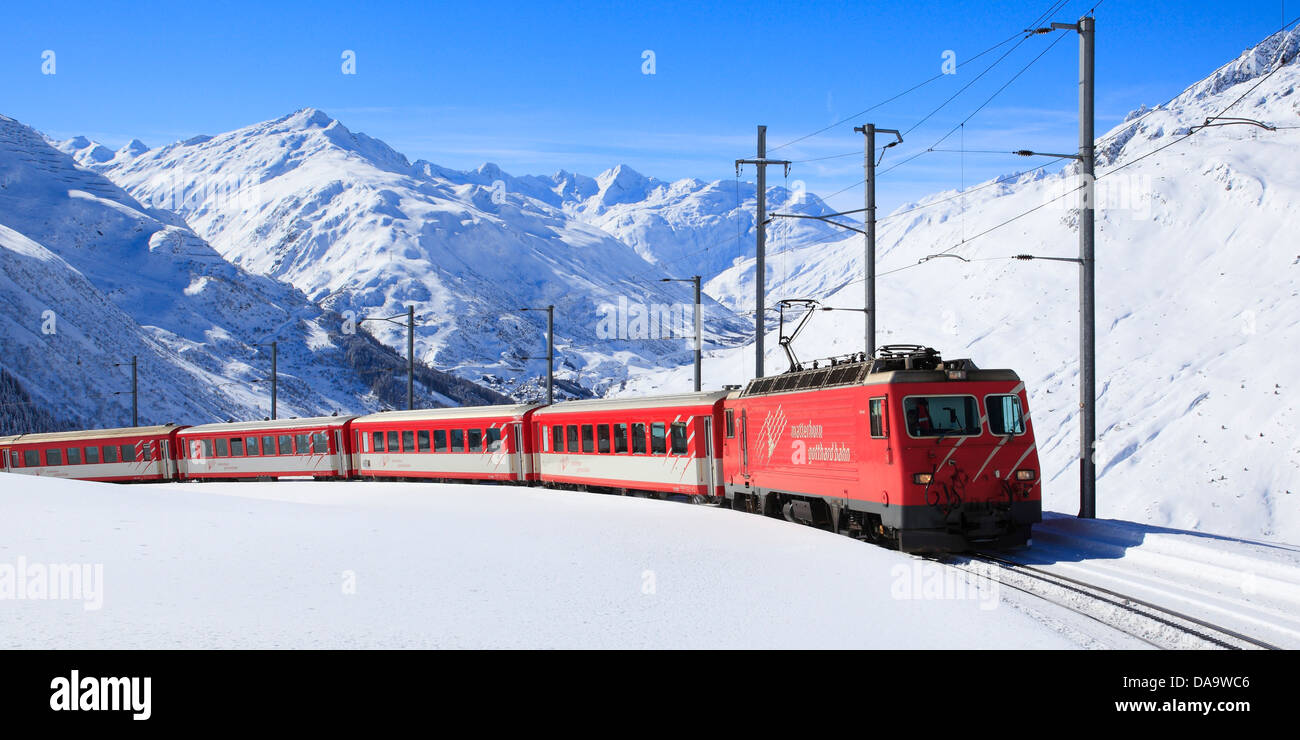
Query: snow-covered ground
316,565
361,564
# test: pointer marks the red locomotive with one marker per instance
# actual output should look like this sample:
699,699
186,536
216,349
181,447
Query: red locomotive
905,449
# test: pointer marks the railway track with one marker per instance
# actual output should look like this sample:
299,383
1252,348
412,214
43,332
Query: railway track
1155,625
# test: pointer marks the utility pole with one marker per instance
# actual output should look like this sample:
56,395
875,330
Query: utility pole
1086,28
699,325
869,168
274,376
1087,299
550,351
135,393
410,357
135,390
760,226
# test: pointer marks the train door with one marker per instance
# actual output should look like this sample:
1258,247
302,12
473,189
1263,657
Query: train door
710,458
521,460
5,455
168,464
744,443
340,459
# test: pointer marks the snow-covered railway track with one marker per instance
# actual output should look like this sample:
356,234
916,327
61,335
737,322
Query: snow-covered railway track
1155,625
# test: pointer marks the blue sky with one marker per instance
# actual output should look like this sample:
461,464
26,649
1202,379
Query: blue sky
542,86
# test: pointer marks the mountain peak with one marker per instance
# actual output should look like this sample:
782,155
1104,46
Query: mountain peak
134,148
622,184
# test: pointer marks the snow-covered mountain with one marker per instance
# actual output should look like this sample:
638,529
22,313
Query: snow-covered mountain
91,278
1198,304
351,223
688,227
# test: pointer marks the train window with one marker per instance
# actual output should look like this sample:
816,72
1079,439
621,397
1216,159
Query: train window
679,437
941,416
475,440
250,447
268,445
588,439
145,451
602,438
638,439
223,448
878,429
620,438
74,455
731,423
304,443
92,455
458,440
207,450
440,440
394,444
1005,416
379,441
422,440
286,444
31,458
493,440
658,439
408,441
110,453
321,443
237,447
571,433
54,457
128,453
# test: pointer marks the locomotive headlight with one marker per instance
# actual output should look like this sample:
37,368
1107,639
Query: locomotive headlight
1024,475
956,375
922,479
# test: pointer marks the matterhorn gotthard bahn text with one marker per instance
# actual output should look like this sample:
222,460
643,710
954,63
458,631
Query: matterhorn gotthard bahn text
192,254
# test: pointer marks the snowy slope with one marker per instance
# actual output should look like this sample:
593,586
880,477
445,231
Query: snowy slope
90,278
415,565
348,221
1198,311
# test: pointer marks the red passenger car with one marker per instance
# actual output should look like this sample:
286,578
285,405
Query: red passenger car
122,455
905,449
663,445
488,443
283,448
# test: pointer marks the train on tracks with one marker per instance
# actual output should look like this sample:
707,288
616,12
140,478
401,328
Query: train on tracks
904,449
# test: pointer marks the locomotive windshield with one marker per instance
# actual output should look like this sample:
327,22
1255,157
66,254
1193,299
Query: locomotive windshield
942,416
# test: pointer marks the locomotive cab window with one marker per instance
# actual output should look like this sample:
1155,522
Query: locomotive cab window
731,424
1005,417
942,416
878,428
